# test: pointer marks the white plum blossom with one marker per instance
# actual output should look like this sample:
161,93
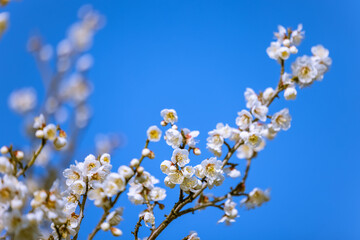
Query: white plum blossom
230,212
154,134
251,98
244,152
281,120
5,165
180,157
297,35
304,68
212,168
256,198
259,111
232,172
273,50
173,138
190,137
244,119
22,100
157,194
169,116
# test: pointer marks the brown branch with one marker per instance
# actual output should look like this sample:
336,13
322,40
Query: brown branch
113,202
82,207
32,160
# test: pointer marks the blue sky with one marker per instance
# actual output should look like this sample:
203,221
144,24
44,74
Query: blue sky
198,57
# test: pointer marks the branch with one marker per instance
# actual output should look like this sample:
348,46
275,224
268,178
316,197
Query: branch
82,207
32,161
113,202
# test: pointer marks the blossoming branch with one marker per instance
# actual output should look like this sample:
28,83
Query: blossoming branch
57,213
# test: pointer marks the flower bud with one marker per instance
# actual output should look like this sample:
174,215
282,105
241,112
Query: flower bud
293,50
105,226
290,93
197,151
151,155
173,168
174,127
134,162
286,42
163,123
140,170
4,150
60,142
39,134
19,155
145,152
116,232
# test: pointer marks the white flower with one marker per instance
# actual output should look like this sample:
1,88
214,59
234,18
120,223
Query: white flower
244,119
190,137
168,183
78,187
157,194
165,166
256,198
149,218
252,138
72,174
322,54
215,142
281,35
5,165
173,138
297,35
188,171
22,100
90,165
223,130
193,236
50,131
176,177
169,116
105,159
304,68
117,179
98,196
180,157
290,93
284,53
250,97
189,183
268,94
212,168
154,134
281,120
230,212
259,111
232,172
286,79
39,122
125,171
273,50
199,171
244,152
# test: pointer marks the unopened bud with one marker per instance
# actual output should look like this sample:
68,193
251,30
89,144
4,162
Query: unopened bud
39,134
60,142
116,232
173,168
140,170
105,226
293,50
19,155
197,151
151,155
174,127
4,150
163,123
134,162
145,152
286,42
